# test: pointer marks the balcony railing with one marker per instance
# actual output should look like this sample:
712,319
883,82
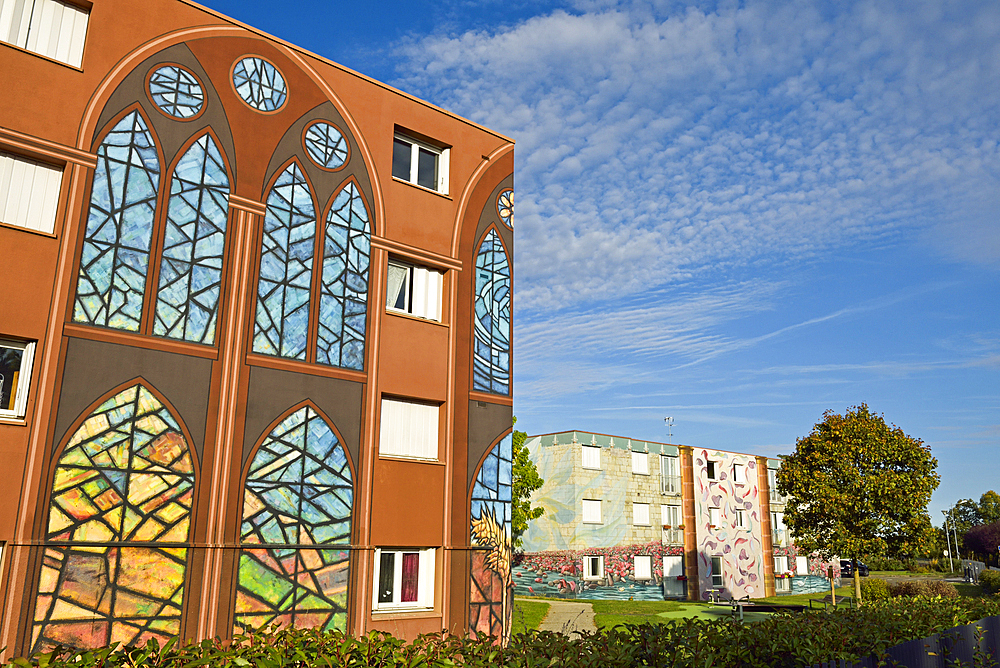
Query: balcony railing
671,484
777,498
673,536
781,537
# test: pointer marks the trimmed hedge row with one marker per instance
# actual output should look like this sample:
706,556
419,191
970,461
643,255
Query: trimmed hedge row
786,640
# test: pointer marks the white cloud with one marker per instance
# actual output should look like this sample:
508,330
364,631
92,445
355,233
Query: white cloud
657,148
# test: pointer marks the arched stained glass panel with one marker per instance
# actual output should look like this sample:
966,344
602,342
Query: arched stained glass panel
125,476
492,585
491,360
115,256
191,270
299,491
282,321
343,306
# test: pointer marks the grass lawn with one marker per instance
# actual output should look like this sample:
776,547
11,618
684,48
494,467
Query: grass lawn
803,599
528,614
969,590
612,613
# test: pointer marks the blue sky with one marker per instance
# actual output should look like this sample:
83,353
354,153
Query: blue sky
736,214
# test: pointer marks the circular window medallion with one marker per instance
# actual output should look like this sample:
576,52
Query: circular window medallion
505,206
260,84
326,145
176,92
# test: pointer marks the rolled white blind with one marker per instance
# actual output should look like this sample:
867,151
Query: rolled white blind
591,457
640,463
640,513
591,510
29,193
427,284
408,429
47,27
643,567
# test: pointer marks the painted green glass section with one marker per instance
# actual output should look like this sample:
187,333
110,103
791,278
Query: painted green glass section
115,256
326,145
343,306
296,528
281,325
491,361
176,92
113,568
187,302
260,84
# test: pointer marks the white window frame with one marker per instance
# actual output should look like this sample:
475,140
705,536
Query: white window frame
56,30
740,519
423,290
29,193
588,567
590,457
670,514
739,473
713,517
640,514
779,534
781,565
442,157
670,478
642,567
409,429
425,580
19,407
591,511
718,577
640,463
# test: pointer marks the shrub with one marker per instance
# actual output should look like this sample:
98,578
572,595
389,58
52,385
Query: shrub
923,588
873,589
990,582
884,564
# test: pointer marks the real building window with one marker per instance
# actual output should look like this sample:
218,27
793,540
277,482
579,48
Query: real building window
640,514
671,515
772,485
640,463
670,479
713,517
642,567
710,469
592,511
591,457
47,27
781,565
593,568
409,429
420,163
778,530
404,579
29,193
16,359
740,520
717,578
739,473
414,290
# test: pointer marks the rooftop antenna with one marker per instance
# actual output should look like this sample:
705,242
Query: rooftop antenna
669,421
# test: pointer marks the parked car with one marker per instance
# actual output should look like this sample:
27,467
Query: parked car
847,569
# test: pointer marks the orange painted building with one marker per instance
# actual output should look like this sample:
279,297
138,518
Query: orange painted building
255,346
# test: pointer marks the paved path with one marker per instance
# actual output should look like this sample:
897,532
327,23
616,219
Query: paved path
566,617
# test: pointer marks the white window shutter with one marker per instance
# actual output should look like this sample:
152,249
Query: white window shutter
640,513
408,429
642,566
29,193
592,510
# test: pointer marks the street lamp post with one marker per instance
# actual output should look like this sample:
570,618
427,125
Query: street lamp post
947,537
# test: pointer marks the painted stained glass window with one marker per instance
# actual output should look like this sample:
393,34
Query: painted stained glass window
491,362
505,206
259,84
176,92
115,255
490,607
326,145
343,306
296,528
125,476
282,321
191,270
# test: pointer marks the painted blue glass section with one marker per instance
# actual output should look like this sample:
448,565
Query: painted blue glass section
491,359
343,306
492,488
187,302
176,92
299,492
260,84
282,322
326,145
115,256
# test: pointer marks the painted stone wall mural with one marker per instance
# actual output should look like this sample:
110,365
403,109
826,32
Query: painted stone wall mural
125,476
492,588
296,529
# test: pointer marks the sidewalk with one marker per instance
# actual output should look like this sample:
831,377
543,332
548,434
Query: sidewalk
566,617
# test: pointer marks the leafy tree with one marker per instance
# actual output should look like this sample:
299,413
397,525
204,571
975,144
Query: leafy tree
989,507
858,486
984,540
525,481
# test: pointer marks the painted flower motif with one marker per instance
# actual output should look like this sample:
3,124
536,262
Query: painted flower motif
505,207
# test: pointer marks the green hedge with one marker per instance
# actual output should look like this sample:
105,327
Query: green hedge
874,589
990,582
786,640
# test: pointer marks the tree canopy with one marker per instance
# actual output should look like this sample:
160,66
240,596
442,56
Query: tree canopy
984,540
525,481
858,486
